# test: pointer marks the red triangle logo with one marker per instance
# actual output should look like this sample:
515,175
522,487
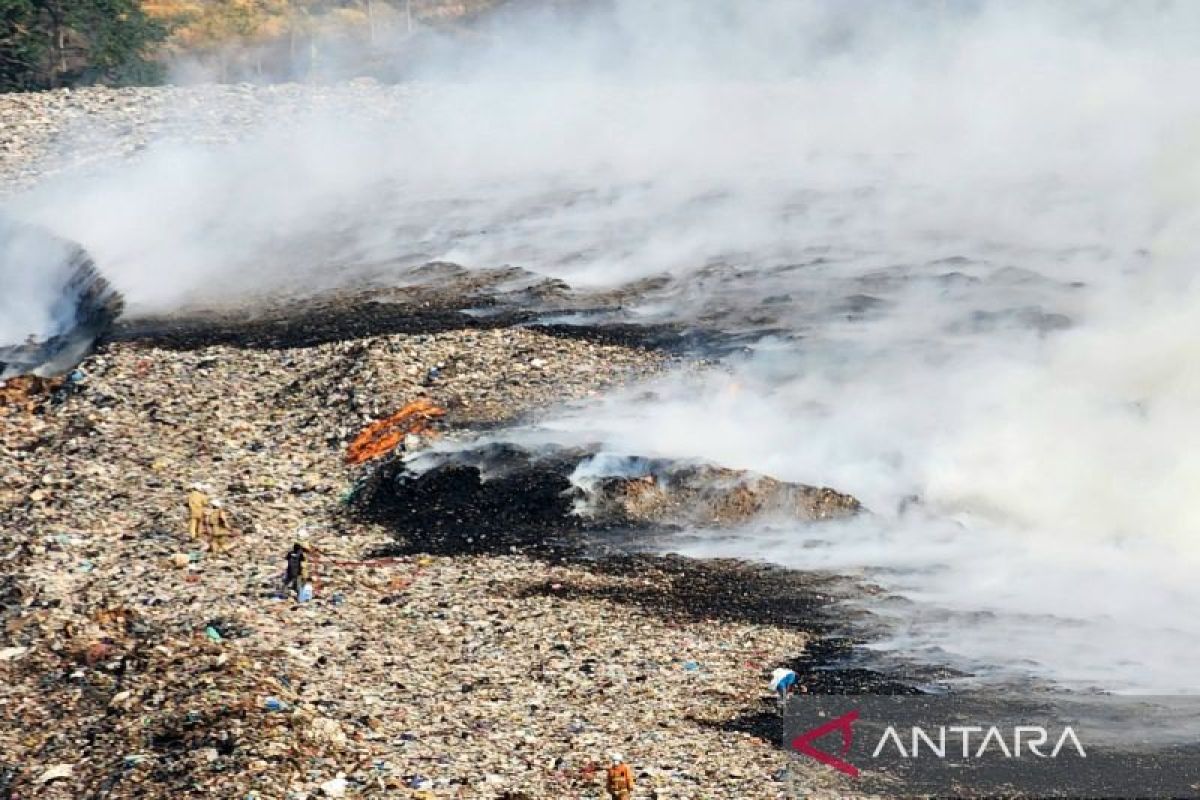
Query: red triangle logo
804,743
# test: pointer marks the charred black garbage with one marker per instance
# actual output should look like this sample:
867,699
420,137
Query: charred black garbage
54,303
485,500
500,497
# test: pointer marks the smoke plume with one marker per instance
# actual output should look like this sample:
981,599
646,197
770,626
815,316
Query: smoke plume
969,224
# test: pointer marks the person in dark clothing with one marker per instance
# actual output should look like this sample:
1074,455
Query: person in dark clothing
297,569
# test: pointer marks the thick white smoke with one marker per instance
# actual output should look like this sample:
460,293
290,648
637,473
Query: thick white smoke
610,141
34,267
924,192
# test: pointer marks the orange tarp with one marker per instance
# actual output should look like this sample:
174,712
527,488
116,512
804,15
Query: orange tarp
383,436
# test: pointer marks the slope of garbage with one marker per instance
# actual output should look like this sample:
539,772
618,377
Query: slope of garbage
139,662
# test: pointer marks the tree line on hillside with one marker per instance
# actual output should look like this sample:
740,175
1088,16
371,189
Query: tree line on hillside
50,43
53,43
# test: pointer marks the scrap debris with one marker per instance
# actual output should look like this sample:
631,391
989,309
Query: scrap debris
383,436
24,394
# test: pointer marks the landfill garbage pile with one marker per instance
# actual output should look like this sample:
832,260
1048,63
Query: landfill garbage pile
80,304
700,494
501,497
138,661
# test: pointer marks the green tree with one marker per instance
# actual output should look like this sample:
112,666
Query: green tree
50,43
23,44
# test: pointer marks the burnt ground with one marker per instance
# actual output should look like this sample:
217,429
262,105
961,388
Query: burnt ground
443,297
497,498
736,591
526,507
450,511
310,323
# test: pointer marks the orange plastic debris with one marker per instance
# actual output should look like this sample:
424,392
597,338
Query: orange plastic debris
382,436
25,393
97,652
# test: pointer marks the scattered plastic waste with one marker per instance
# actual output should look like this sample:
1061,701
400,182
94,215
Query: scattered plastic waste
12,653
56,772
284,705
306,593
336,787
691,666
212,633
352,492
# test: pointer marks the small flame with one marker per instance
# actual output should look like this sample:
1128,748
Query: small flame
383,436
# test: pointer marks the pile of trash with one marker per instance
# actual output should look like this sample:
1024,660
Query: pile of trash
662,491
497,497
25,394
142,658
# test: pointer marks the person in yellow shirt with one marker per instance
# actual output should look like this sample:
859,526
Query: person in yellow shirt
197,502
620,779
217,527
